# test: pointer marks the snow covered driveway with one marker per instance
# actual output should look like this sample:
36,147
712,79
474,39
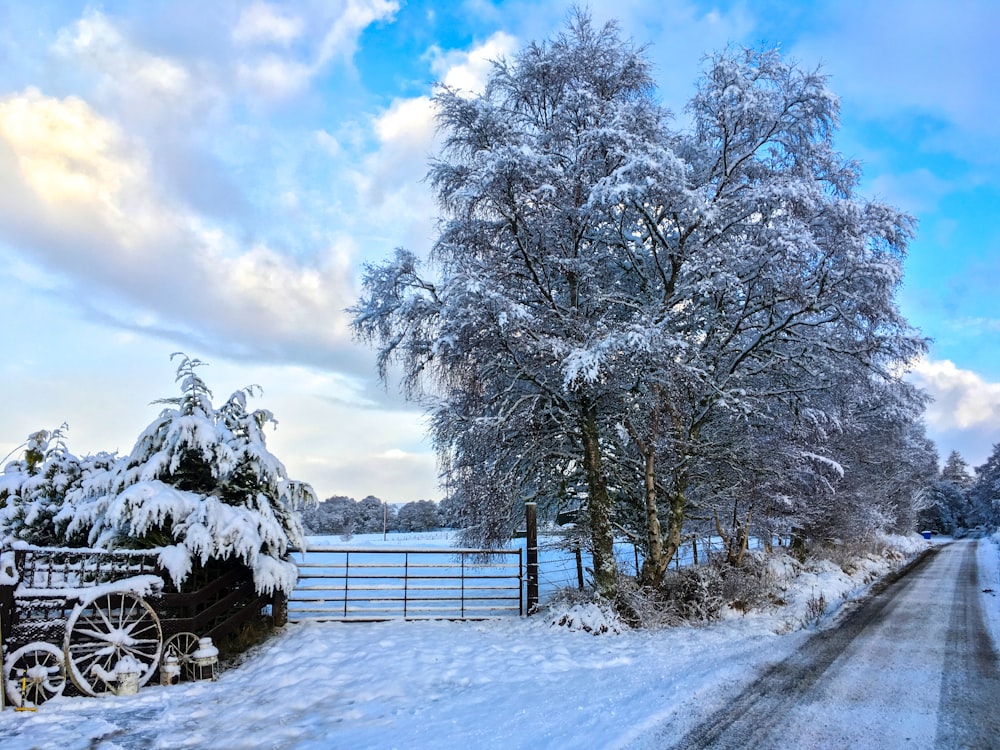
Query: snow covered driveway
913,667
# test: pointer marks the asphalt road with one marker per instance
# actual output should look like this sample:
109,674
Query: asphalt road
911,667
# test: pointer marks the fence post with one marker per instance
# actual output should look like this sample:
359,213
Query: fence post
531,544
279,609
347,579
463,585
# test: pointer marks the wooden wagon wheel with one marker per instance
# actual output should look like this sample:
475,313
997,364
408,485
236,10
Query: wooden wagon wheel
182,645
103,630
33,674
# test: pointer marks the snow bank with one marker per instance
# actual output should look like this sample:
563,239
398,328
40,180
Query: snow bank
812,592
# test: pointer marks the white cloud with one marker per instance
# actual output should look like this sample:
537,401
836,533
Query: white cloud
82,200
407,124
392,175
324,33
962,399
95,42
263,23
76,171
328,142
349,20
917,191
468,71
274,78
389,180
976,326
64,151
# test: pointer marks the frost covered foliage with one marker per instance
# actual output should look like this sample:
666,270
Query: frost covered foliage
199,484
624,312
950,505
33,488
701,593
984,494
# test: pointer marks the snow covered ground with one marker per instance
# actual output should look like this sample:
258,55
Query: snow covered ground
508,683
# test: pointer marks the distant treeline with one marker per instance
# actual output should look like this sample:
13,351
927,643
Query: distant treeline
347,516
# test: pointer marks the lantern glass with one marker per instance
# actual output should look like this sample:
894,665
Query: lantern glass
205,660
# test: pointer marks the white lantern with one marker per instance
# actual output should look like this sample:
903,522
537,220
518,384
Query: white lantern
170,670
205,660
127,674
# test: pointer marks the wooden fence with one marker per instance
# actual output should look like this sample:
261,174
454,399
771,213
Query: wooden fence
366,584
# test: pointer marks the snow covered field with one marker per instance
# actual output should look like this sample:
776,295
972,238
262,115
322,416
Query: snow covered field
508,683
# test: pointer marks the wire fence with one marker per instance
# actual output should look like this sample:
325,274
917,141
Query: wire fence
565,564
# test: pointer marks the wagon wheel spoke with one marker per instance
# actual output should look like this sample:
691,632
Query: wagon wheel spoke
104,616
33,674
103,630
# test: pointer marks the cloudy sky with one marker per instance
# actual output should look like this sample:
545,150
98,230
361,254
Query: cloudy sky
210,177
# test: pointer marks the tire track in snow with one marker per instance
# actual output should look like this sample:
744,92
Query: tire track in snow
969,689
873,681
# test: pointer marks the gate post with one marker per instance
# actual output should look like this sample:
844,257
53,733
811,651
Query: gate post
531,543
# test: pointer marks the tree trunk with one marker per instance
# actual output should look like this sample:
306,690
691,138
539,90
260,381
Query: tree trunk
678,495
738,542
655,564
599,503
675,520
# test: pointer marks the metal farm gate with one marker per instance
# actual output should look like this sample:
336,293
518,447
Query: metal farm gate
366,584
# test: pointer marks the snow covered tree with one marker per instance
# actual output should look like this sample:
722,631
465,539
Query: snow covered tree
373,515
451,513
956,470
200,484
950,507
33,488
420,515
984,493
611,304
335,515
781,279
524,294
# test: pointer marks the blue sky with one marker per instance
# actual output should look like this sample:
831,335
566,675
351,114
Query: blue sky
211,177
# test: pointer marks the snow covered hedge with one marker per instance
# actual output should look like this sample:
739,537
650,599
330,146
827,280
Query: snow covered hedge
200,484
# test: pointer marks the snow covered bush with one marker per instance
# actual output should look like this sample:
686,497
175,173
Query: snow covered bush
590,618
750,585
700,593
198,485
579,612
